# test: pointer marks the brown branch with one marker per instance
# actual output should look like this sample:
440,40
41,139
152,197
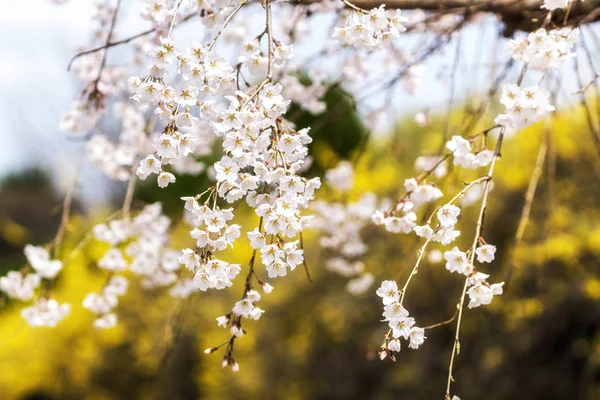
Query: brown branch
440,42
453,72
446,322
478,232
64,220
531,189
588,112
119,42
108,45
450,5
304,259
523,15
529,197
94,95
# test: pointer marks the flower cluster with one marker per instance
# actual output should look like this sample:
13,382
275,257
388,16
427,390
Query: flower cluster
542,49
463,153
306,96
341,177
215,235
140,244
21,285
116,158
524,106
340,226
103,304
444,232
17,286
203,76
480,292
45,312
420,193
244,309
401,325
370,30
279,256
417,193
394,224
86,111
39,259
263,154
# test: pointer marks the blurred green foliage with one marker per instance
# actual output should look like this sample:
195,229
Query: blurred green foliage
540,340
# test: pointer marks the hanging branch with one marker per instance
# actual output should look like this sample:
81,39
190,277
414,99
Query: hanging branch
120,42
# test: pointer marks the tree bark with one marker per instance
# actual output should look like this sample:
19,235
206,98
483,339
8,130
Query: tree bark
525,15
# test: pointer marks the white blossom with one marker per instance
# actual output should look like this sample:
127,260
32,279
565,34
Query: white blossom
45,312
486,253
17,286
40,261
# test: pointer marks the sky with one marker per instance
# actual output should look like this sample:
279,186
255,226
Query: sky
38,38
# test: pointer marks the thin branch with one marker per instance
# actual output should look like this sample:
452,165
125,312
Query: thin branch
174,18
64,220
237,320
478,231
88,236
225,23
589,85
352,6
270,39
304,258
529,197
516,14
588,113
269,78
446,322
531,189
454,70
108,45
419,179
120,42
415,269
443,39
486,102
129,194
111,30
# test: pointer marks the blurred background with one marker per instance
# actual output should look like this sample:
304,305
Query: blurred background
540,340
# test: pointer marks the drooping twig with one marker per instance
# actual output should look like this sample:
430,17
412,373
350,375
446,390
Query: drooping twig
531,189
516,14
108,45
529,197
304,258
478,231
129,194
269,78
446,322
111,30
120,42
225,23
588,112
174,17
454,70
64,220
